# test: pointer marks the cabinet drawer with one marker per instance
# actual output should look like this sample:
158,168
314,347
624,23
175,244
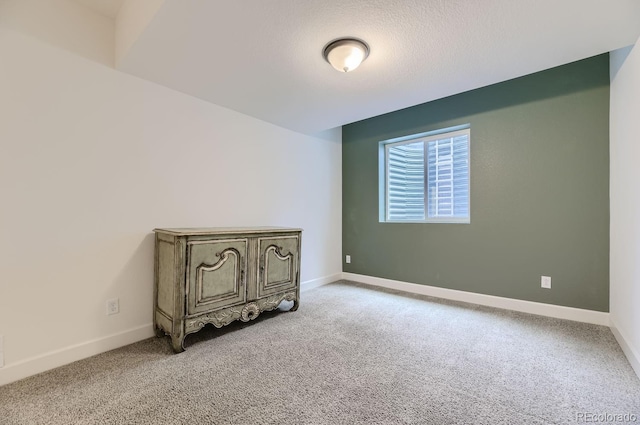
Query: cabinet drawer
278,268
216,274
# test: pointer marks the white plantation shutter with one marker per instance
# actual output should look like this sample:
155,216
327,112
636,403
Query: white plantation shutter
405,182
448,176
428,178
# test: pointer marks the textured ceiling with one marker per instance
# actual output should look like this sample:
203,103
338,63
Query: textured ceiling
263,58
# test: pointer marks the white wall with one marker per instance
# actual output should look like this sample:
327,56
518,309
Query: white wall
91,160
625,201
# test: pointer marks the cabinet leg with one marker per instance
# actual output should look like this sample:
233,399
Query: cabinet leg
296,304
177,344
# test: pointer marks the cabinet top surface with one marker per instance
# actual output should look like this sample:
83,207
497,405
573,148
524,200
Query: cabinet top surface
223,230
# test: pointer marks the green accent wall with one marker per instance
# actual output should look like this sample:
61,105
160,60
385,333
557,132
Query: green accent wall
539,192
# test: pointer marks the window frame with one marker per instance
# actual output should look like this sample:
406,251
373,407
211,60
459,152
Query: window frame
383,177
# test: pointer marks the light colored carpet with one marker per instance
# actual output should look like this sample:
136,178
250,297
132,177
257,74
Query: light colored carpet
350,355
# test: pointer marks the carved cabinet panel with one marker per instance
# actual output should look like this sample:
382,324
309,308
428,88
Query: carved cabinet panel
278,264
218,275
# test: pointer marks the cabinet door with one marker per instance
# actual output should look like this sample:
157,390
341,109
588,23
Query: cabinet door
216,274
278,268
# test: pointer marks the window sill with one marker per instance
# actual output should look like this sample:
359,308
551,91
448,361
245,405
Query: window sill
431,220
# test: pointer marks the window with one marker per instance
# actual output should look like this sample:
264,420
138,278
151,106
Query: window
425,177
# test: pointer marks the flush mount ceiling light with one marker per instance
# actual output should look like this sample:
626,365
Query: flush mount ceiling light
346,54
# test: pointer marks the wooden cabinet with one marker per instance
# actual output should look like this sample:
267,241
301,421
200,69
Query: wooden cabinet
219,275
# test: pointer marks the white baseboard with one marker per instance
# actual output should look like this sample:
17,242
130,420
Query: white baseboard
541,309
314,283
43,362
632,354
47,361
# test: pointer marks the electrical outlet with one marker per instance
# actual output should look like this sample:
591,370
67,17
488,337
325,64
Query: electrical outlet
113,306
347,259
1,351
545,282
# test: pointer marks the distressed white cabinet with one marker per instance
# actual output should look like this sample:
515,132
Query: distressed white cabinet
219,275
